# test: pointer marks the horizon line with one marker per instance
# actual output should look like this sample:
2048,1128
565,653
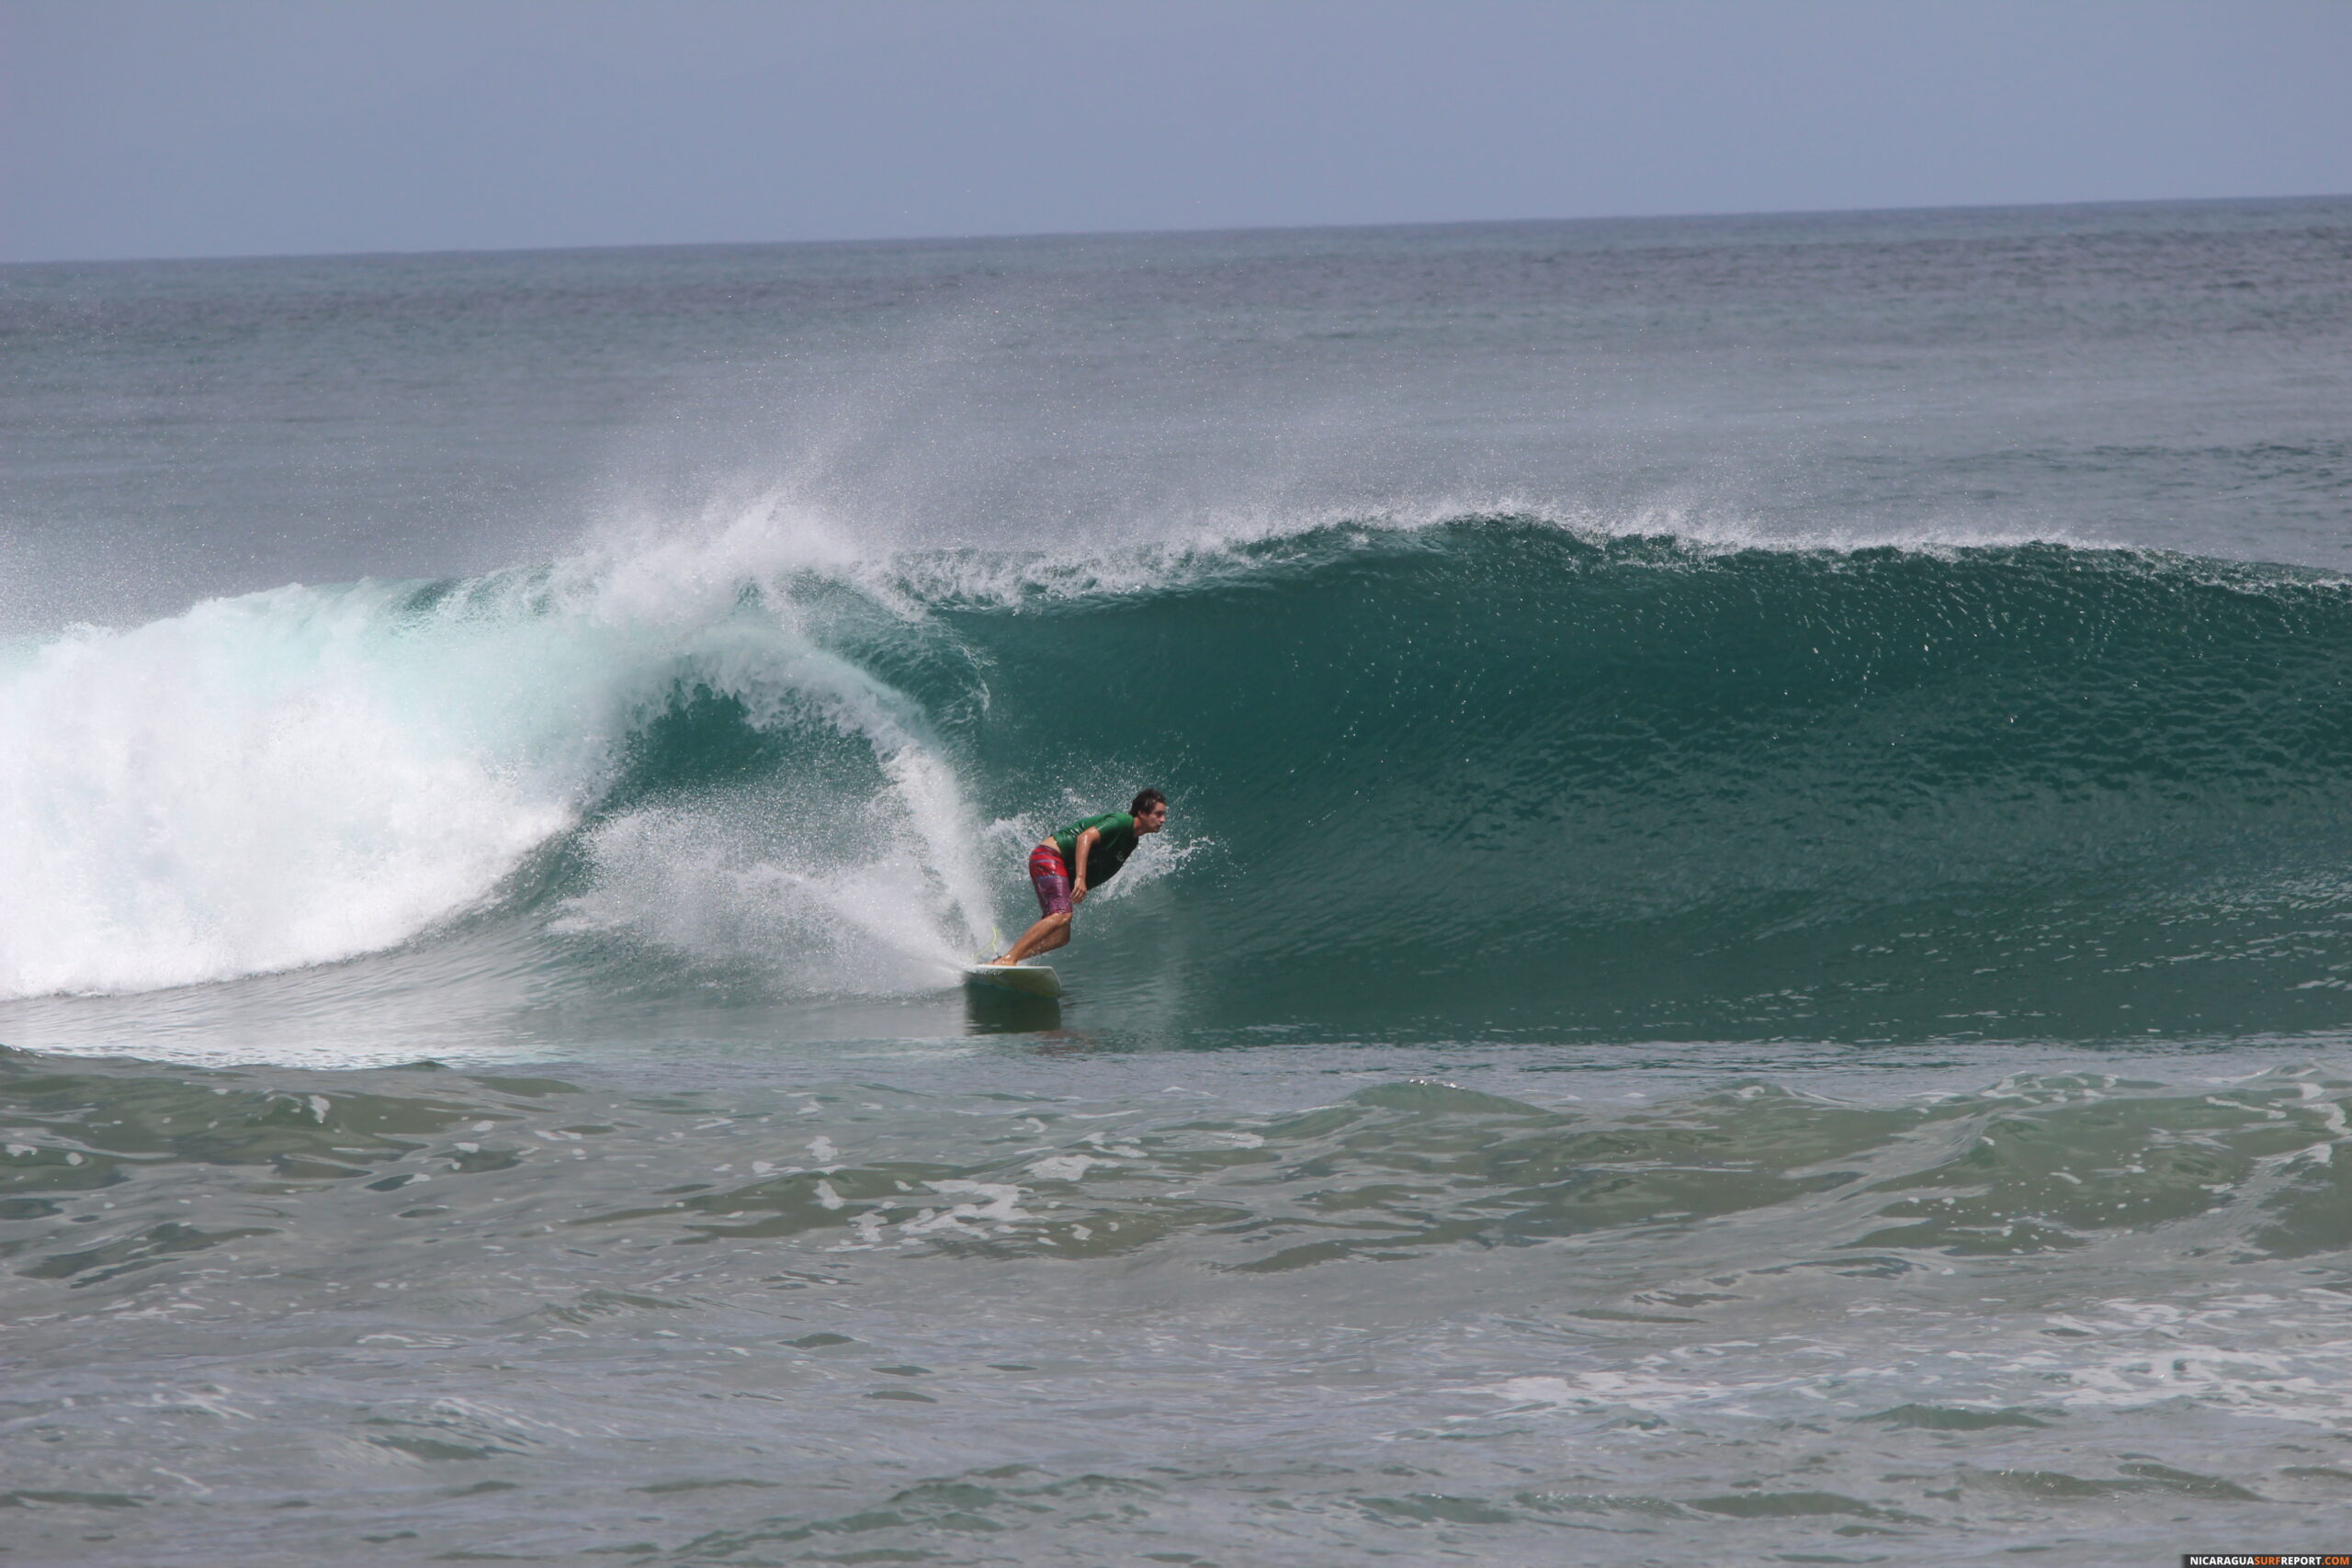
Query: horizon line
1027,235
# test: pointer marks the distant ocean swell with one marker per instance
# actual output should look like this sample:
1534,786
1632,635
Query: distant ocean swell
1492,773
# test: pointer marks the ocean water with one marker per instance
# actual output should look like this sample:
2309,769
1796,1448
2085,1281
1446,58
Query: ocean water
1752,961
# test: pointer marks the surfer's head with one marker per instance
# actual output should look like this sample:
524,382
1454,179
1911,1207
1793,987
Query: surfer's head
1150,811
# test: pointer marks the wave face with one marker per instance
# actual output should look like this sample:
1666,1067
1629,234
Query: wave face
1512,773
1486,775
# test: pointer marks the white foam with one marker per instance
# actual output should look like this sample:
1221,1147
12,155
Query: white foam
304,775
260,784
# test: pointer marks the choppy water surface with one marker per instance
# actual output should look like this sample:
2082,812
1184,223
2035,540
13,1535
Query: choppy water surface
1032,1303
1750,963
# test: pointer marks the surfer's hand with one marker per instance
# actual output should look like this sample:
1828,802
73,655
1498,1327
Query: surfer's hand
1078,893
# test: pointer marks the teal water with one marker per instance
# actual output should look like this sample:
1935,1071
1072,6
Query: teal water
1750,961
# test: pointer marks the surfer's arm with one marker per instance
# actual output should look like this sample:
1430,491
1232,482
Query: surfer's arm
1078,869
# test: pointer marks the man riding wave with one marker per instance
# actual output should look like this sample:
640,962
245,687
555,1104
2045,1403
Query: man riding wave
1084,855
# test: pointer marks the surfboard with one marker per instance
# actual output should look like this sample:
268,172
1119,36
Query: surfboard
1023,979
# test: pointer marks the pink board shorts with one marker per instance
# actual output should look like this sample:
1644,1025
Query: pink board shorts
1050,878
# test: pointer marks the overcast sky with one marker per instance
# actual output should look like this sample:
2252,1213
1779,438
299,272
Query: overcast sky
150,128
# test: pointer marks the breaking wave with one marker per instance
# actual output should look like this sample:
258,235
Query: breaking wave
1490,772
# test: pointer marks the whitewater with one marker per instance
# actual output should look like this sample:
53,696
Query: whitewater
1751,956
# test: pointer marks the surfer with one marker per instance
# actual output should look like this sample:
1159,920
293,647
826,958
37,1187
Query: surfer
1085,854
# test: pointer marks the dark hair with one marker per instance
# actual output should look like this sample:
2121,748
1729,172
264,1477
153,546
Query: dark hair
1146,801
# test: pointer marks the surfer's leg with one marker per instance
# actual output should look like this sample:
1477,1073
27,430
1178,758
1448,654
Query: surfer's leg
1047,934
1051,880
